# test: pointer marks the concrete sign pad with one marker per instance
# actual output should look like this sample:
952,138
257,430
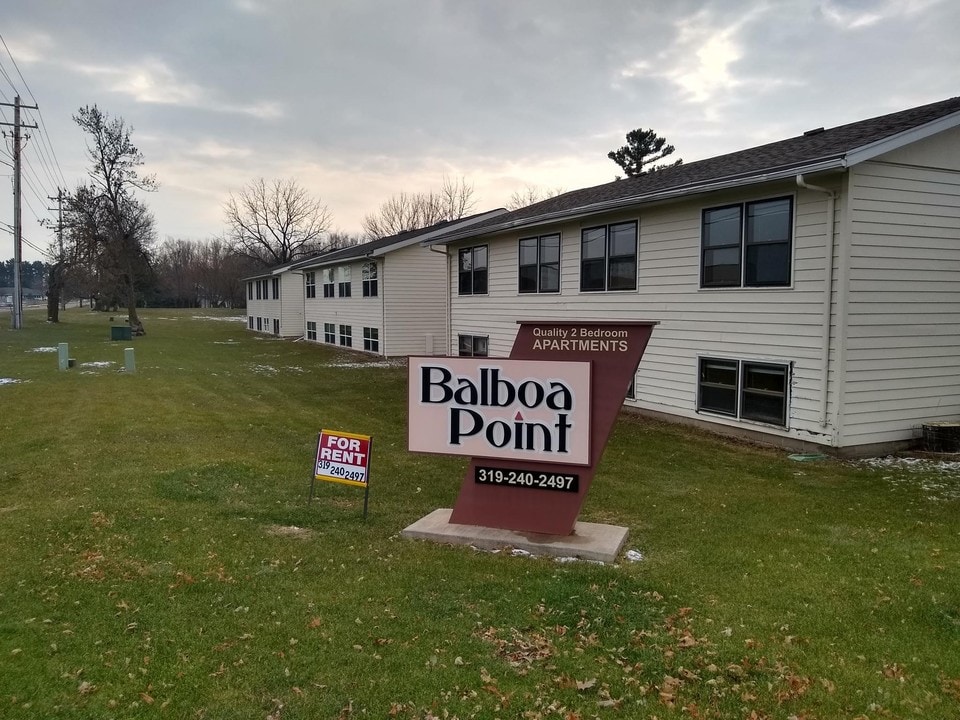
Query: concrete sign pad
589,541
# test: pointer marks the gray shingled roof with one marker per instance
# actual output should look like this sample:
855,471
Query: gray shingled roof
361,250
813,150
367,248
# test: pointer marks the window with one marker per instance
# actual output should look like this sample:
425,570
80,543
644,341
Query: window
329,287
472,275
249,291
472,345
632,388
540,264
346,335
343,287
369,276
259,291
276,326
608,257
311,330
743,389
310,282
259,324
330,333
250,317
747,245
371,339
276,288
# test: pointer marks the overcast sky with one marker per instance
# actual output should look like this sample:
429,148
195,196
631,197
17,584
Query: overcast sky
361,99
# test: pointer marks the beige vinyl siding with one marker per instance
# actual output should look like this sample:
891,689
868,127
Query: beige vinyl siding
412,285
288,308
356,311
777,325
903,327
291,304
264,309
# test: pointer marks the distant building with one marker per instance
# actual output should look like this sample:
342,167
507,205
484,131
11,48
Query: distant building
386,296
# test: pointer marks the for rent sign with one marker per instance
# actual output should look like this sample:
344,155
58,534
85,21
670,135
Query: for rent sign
508,409
343,457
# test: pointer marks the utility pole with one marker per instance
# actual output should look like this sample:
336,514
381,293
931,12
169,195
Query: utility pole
55,279
17,248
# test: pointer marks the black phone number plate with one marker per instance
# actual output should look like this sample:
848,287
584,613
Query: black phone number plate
536,479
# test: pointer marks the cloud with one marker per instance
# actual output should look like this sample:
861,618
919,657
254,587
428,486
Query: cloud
699,62
153,82
857,14
29,47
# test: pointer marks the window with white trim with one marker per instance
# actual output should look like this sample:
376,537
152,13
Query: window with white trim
346,335
276,288
250,320
747,244
250,290
276,326
259,324
539,270
472,271
369,276
371,339
472,345
310,284
311,330
330,333
744,389
343,287
329,286
608,257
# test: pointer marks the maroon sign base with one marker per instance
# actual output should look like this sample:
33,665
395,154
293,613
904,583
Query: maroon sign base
537,497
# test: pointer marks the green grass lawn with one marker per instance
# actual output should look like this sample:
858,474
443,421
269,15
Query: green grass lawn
158,557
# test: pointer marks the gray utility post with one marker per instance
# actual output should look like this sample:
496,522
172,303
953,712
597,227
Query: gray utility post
17,290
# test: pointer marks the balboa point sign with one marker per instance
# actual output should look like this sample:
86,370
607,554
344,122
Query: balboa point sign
535,424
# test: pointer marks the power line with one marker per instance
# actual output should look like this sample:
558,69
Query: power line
45,135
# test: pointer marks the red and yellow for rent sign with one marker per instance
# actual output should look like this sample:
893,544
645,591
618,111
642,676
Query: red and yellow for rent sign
343,457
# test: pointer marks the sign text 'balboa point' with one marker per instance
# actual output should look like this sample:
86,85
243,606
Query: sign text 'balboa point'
500,409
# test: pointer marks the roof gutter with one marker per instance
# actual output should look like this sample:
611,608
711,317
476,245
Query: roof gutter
446,298
833,163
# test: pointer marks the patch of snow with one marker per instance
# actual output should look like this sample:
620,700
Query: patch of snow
264,369
375,364
9,381
43,350
939,479
294,368
226,342
634,555
98,364
222,318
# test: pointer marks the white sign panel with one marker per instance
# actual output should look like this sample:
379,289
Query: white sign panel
500,408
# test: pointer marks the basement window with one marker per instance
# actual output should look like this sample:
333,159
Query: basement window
472,345
743,389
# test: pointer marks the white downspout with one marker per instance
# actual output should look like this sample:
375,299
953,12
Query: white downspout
446,295
827,292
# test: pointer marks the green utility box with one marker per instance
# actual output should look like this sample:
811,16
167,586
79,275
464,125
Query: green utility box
120,332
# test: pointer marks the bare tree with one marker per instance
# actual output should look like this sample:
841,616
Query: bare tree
339,239
413,211
116,227
277,222
177,266
531,194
